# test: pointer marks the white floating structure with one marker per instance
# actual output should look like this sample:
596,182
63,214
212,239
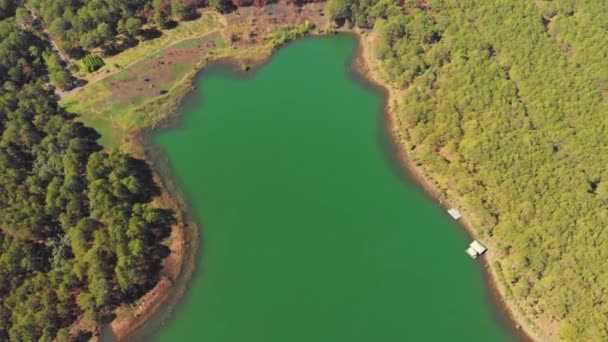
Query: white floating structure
454,213
476,249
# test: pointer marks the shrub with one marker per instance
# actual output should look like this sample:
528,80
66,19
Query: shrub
92,62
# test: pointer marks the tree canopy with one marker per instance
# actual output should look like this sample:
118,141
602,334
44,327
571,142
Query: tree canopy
78,231
504,104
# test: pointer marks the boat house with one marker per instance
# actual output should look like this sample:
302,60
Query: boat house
476,249
454,213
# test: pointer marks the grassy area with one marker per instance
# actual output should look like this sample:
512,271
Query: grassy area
108,103
146,92
284,34
155,75
208,21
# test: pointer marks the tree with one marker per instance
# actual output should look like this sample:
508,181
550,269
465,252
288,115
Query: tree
23,17
159,18
60,78
58,74
178,9
7,8
221,6
337,9
92,62
133,27
104,32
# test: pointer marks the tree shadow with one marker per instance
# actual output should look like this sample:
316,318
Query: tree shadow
83,336
162,226
79,82
76,52
191,14
90,136
118,46
143,172
107,318
150,33
171,24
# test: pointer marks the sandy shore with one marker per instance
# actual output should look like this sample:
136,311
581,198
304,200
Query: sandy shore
366,67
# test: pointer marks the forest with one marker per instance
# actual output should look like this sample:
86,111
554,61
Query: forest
504,105
79,233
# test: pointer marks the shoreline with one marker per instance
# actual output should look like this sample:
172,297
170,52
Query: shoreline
364,66
156,306
138,320
178,267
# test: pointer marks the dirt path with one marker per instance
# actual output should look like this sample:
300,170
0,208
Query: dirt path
102,76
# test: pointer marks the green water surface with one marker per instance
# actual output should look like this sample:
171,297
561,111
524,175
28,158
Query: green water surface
309,230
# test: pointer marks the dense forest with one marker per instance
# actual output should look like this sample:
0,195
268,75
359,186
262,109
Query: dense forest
504,103
78,231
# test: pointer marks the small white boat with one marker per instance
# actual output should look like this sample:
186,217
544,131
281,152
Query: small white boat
476,249
455,213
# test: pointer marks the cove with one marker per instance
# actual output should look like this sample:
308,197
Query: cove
309,229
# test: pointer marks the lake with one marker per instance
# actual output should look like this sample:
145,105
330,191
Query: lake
310,231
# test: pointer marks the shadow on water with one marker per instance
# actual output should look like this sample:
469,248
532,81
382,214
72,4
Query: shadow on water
107,335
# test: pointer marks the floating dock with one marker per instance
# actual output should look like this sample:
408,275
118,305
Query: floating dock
476,249
455,213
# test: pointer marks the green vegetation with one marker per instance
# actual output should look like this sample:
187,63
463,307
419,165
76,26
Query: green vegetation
504,104
221,5
337,9
7,8
85,25
57,71
79,234
281,35
113,26
185,30
110,103
92,62
178,10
